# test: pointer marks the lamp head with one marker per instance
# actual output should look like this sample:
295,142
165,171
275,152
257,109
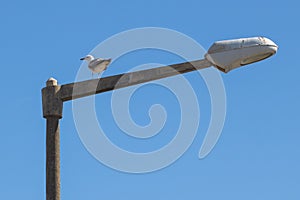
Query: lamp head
230,54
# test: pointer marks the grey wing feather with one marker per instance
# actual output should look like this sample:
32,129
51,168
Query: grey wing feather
96,62
99,61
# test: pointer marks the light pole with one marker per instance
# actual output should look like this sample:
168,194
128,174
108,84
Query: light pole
225,55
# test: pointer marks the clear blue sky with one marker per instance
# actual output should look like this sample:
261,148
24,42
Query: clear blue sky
257,156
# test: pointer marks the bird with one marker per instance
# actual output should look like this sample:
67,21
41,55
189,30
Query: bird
96,65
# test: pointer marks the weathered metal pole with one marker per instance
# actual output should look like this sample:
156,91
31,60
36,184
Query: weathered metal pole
53,96
52,111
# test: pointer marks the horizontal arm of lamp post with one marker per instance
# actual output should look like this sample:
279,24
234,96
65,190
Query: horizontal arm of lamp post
86,88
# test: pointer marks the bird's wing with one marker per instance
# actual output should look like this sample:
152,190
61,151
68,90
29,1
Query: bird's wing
99,61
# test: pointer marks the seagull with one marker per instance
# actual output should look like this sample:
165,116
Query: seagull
96,65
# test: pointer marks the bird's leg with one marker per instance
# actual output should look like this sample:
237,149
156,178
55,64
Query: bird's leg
92,74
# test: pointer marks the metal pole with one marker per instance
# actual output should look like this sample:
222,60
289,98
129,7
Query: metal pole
52,111
52,159
53,96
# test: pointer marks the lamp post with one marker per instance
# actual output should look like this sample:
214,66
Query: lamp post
224,55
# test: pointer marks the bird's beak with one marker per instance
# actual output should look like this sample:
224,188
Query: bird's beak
82,58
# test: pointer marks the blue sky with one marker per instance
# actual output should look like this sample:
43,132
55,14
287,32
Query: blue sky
257,155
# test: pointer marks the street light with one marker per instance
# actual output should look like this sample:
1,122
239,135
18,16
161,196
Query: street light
230,54
225,55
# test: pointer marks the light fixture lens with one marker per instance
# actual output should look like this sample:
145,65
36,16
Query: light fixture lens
256,58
